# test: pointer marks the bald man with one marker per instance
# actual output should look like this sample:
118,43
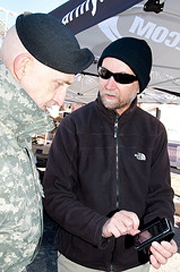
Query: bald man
39,60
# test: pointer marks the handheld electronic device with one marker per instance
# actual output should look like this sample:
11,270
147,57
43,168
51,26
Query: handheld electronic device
158,230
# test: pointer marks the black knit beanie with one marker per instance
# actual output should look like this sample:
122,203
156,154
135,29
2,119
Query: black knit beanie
135,53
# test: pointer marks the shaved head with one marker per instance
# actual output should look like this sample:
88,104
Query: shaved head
11,48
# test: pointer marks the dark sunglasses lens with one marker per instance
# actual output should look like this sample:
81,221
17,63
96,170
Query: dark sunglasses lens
124,78
104,73
119,77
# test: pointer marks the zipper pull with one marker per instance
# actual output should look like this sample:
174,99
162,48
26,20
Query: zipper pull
111,268
116,127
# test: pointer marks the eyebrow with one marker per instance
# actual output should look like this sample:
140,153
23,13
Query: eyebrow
61,81
68,82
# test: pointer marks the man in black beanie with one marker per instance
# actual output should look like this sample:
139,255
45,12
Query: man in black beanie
108,171
39,60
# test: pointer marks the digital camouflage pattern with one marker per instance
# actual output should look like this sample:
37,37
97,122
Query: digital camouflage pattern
20,188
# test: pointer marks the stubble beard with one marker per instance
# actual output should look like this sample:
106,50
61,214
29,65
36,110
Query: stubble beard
117,104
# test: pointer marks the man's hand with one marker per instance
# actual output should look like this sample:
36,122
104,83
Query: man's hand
121,223
161,252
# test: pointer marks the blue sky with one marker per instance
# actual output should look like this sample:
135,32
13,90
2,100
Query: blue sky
19,6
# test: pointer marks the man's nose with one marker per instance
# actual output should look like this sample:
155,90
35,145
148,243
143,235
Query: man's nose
60,96
111,83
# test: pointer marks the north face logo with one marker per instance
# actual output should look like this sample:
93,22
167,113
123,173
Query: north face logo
140,156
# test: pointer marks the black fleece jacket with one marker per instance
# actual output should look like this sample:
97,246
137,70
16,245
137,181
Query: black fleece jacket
101,162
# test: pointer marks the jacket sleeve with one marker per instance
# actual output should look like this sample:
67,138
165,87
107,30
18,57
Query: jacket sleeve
159,200
61,187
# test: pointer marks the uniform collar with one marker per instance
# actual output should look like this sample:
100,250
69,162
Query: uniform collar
18,111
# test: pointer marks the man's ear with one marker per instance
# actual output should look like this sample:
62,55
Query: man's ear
21,63
138,91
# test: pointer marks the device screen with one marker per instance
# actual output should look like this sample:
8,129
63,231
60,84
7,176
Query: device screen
150,233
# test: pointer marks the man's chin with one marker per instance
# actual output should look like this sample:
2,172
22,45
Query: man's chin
110,106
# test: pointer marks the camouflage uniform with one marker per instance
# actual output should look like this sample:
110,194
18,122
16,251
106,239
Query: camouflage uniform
20,188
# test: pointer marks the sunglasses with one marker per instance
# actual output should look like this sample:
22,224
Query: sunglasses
121,78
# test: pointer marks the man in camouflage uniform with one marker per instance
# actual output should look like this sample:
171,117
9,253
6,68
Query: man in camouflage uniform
32,79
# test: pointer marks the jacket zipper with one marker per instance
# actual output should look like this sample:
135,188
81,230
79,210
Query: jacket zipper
117,176
117,160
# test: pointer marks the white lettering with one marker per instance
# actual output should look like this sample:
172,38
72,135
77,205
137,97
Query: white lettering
158,34
94,3
87,5
65,19
68,17
174,42
80,10
137,26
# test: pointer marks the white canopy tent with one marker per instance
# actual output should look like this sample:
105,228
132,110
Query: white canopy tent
128,18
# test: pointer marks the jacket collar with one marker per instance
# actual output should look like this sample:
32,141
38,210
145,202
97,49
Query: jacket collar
111,114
